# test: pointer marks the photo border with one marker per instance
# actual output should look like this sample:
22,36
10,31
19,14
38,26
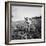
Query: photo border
21,3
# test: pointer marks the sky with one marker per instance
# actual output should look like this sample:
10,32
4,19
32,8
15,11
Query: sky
19,12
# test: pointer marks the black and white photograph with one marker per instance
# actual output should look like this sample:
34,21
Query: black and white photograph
26,22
